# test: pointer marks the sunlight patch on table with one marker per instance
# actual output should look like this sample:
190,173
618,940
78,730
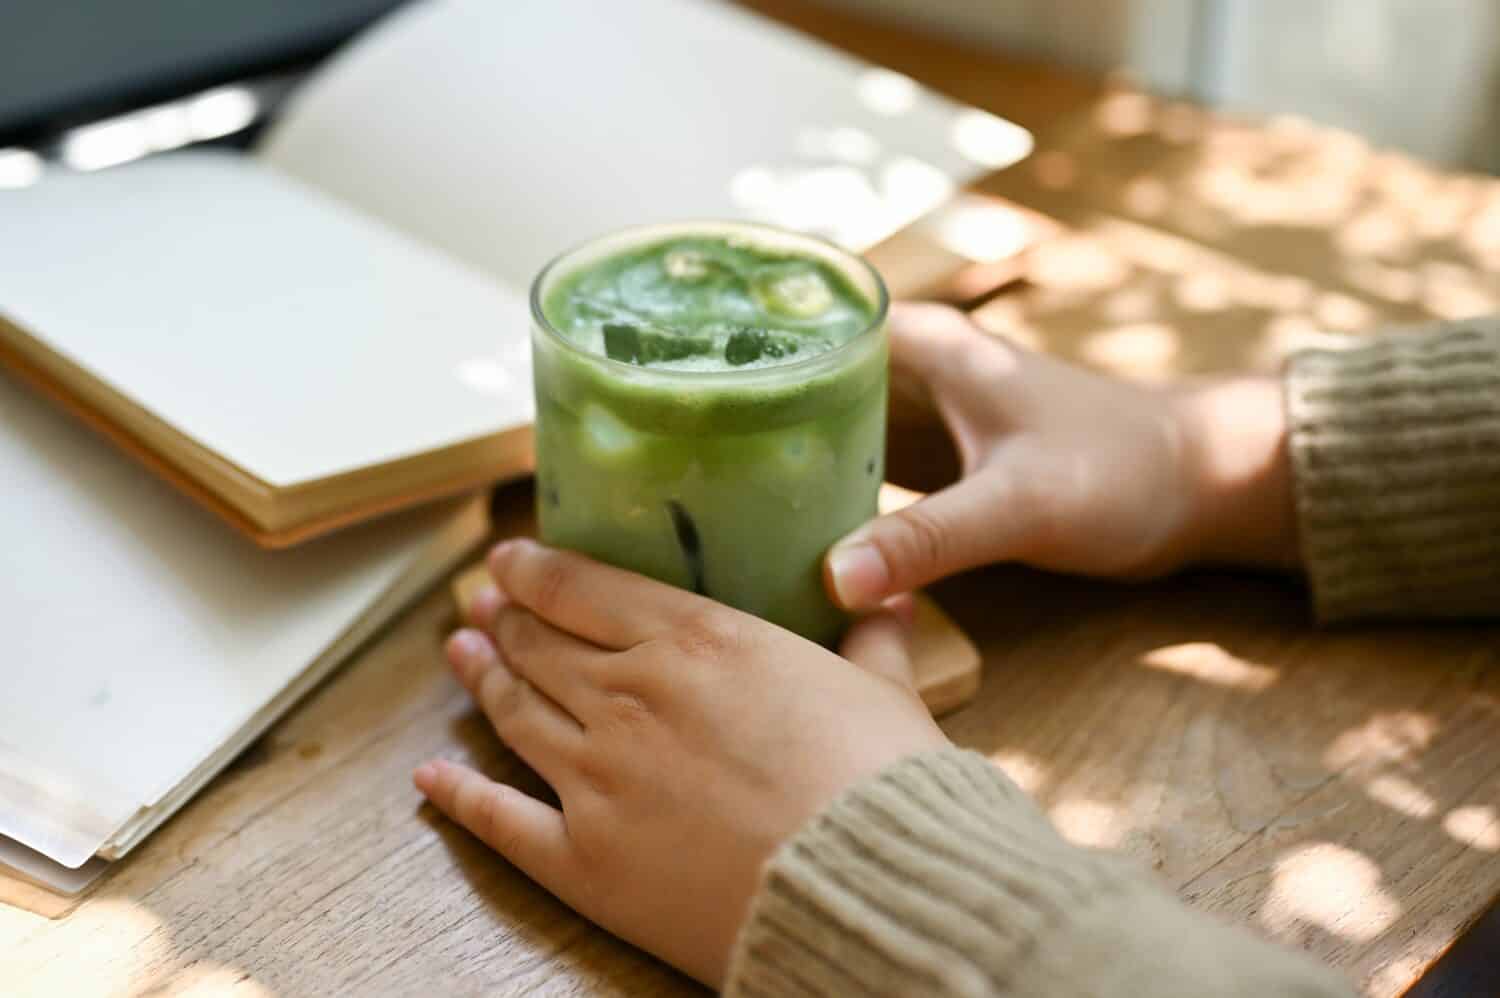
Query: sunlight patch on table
1332,887
1078,264
1209,663
1400,794
1482,235
1377,231
1130,304
1146,197
1145,351
1475,825
1124,114
1341,312
1452,291
1026,771
1007,317
1391,282
1087,822
90,944
1395,736
1202,291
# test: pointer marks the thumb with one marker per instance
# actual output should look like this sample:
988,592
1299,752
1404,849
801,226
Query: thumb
880,643
965,525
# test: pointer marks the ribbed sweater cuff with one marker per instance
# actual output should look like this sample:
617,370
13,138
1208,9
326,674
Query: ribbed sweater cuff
1396,453
937,876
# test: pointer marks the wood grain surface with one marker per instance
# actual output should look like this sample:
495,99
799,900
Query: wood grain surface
1336,789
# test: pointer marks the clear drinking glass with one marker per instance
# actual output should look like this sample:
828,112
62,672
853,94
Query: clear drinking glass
732,483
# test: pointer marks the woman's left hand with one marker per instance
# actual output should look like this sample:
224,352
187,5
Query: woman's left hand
686,741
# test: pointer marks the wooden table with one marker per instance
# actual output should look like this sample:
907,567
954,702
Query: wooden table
1339,790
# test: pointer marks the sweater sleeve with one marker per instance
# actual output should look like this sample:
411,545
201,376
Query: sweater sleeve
1395,450
939,877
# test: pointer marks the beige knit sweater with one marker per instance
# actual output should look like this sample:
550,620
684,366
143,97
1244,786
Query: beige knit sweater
939,877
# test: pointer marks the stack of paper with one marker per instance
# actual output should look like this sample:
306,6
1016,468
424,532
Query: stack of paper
144,645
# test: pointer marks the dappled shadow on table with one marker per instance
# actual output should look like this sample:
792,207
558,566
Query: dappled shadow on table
1197,243
1337,788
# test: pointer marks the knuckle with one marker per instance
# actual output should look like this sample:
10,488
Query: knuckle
708,634
628,709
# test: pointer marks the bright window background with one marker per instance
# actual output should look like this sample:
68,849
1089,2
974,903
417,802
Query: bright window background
1421,75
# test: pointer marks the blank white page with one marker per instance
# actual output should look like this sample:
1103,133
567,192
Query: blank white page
272,324
137,635
507,131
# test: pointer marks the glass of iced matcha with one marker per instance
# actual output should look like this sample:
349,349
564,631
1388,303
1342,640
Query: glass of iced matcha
711,403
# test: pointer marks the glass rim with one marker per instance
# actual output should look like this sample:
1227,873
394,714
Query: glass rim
882,300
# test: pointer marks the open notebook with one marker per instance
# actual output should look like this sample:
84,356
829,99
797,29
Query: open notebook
337,327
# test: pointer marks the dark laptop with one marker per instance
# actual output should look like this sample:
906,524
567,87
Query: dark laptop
66,62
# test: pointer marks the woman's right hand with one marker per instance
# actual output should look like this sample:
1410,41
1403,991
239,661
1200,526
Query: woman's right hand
1068,470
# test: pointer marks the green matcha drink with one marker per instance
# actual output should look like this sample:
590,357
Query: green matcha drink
711,409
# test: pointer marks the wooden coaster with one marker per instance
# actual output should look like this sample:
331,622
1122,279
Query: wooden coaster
945,660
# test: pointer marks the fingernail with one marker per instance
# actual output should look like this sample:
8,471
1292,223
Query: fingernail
466,648
858,574
487,602
498,553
